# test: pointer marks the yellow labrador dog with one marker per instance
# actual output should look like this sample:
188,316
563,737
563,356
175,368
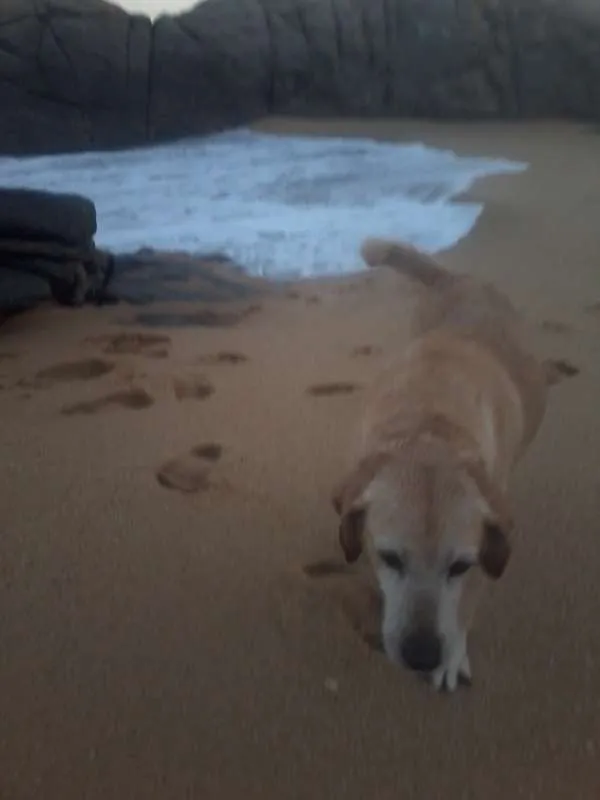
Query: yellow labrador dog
442,430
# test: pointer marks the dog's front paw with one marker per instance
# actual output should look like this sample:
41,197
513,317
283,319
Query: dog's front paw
454,672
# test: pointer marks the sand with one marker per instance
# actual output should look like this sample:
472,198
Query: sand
175,618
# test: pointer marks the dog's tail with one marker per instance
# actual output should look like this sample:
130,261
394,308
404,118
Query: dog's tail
406,259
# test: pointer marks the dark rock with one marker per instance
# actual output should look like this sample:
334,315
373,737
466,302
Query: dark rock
149,276
47,244
20,291
40,216
34,269
73,76
212,66
83,74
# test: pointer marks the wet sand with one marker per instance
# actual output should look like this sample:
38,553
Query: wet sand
175,618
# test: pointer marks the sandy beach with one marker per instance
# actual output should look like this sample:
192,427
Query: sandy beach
175,618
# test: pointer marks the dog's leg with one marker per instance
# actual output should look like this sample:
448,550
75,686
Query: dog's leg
456,668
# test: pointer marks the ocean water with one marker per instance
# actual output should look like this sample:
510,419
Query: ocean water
279,206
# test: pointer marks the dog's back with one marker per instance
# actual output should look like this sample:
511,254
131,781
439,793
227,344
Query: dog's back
469,310
455,302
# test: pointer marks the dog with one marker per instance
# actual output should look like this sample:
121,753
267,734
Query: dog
443,428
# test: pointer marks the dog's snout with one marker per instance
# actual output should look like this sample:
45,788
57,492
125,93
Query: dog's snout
421,651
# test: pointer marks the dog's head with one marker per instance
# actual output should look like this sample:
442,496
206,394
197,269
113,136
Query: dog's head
429,521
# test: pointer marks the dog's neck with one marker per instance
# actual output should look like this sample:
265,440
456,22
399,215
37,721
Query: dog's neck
434,435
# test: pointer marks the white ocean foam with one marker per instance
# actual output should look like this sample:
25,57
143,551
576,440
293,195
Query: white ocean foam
279,206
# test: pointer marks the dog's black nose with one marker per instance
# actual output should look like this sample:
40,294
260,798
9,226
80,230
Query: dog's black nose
421,651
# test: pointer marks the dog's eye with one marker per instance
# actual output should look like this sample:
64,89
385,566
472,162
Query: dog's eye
458,568
392,560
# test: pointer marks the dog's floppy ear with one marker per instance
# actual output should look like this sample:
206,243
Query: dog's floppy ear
495,549
349,504
350,533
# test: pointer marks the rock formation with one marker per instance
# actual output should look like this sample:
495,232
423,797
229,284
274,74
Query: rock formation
83,74
47,247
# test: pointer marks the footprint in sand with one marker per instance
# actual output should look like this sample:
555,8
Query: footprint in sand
556,326
208,452
133,399
559,369
8,357
192,388
309,299
594,309
190,473
151,345
366,350
85,370
223,357
332,389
